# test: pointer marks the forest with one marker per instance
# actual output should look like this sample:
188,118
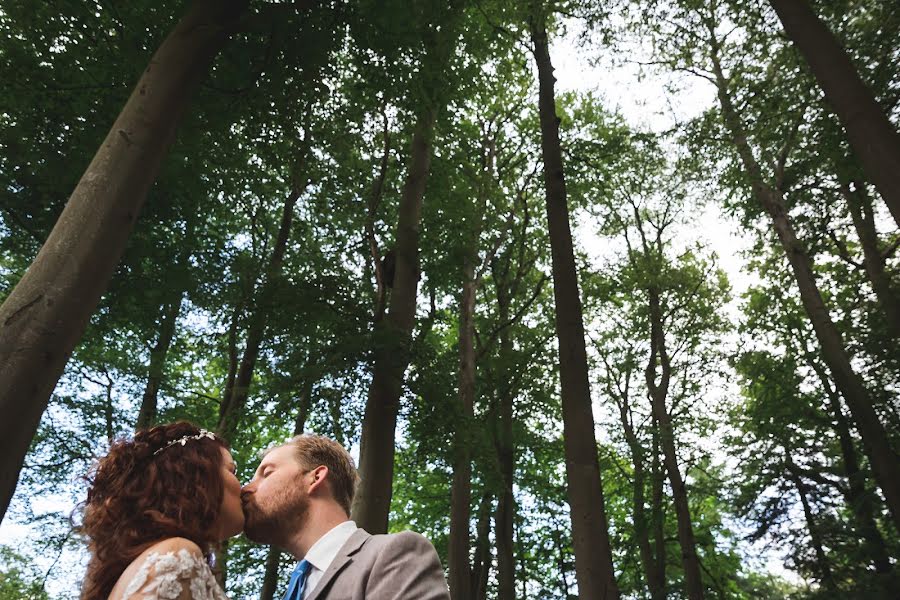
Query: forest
383,221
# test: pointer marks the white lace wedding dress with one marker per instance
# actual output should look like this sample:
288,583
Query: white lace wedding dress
180,575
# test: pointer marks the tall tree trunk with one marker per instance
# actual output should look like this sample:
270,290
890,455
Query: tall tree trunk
885,463
860,206
693,580
273,559
871,134
376,454
46,313
503,441
481,563
657,507
641,524
824,567
169,317
593,555
459,574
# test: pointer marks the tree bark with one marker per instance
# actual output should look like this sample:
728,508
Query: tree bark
506,502
863,217
657,508
481,564
641,524
376,454
147,413
885,463
871,134
458,568
593,556
693,580
47,311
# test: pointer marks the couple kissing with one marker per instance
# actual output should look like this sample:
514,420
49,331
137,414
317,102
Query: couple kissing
158,503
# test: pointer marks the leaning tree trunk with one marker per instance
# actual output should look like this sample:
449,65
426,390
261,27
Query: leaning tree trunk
693,581
372,502
236,393
869,131
169,317
885,463
46,313
593,556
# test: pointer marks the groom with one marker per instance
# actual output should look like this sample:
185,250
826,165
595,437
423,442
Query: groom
299,499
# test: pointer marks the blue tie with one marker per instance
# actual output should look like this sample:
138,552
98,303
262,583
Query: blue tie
298,581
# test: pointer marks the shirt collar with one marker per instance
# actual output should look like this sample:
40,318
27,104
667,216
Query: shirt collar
327,547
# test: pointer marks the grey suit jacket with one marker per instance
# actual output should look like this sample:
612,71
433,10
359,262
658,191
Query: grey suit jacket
399,566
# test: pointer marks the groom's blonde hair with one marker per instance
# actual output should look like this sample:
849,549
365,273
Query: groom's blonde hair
312,451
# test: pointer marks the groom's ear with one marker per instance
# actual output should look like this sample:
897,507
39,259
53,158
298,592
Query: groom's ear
319,474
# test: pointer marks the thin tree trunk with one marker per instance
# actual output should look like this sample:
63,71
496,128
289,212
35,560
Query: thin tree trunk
885,463
147,412
693,580
237,386
270,577
459,574
481,563
503,440
593,555
657,508
43,318
236,395
814,534
372,502
273,559
864,222
641,524
871,134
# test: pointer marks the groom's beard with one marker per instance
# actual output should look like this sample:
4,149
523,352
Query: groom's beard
278,519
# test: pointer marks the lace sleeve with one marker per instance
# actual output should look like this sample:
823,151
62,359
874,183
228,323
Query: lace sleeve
180,575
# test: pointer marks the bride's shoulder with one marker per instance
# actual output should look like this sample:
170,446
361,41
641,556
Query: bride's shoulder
171,569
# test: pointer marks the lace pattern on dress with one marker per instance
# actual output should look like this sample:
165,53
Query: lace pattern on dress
165,577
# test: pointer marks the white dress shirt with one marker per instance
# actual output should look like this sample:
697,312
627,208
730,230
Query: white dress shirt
323,552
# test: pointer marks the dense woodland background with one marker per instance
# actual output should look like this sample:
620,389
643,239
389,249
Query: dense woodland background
362,229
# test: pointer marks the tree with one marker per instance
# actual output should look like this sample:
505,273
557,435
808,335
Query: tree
871,134
47,311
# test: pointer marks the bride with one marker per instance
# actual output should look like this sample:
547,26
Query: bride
155,506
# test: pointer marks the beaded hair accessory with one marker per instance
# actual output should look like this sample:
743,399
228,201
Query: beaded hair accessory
184,439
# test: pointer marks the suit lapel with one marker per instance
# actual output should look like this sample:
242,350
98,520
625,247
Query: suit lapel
343,558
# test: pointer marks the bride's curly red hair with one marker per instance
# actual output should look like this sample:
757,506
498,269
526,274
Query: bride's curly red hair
137,498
